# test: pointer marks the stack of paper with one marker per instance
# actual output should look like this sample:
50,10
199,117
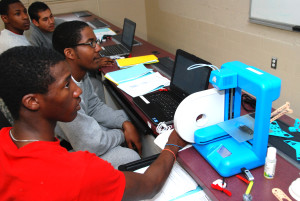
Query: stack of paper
103,31
137,80
144,85
125,75
178,183
180,186
122,63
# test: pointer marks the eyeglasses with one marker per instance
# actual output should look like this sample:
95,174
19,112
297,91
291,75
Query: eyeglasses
92,43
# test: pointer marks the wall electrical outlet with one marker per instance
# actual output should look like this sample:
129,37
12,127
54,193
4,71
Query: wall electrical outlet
274,62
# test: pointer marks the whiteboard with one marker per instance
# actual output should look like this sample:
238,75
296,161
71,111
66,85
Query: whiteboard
284,14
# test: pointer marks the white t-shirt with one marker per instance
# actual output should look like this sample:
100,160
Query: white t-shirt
9,39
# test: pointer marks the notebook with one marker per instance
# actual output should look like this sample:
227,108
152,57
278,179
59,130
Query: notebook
125,47
160,106
96,24
127,62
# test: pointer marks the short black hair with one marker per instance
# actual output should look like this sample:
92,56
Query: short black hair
4,6
35,8
67,35
25,70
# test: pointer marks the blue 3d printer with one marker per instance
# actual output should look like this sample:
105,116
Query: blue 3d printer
218,143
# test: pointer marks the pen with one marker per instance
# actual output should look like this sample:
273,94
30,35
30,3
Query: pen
249,188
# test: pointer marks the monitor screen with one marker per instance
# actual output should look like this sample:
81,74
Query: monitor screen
189,81
128,33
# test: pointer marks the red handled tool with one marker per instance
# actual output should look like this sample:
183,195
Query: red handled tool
217,187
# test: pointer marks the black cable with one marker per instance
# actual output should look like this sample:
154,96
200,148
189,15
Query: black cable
246,99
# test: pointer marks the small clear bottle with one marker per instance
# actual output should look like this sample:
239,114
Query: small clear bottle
270,165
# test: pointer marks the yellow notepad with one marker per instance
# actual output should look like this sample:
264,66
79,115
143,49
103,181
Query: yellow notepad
137,60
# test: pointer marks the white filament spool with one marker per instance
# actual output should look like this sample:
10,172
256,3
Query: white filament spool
199,110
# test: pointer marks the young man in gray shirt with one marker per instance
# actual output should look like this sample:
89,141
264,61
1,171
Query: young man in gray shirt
41,30
97,127
42,25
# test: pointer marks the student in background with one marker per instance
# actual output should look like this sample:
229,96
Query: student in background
41,31
33,164
15,18
97,127
42,25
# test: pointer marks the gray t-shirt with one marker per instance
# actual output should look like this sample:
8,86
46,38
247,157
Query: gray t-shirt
9,40
97,127
39,38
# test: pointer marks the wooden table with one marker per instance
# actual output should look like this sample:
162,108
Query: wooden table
190,159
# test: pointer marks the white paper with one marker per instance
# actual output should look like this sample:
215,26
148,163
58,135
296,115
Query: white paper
178,183
162,139
144,85
103,31
199,196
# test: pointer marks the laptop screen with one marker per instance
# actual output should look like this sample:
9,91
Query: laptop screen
185,82
128,33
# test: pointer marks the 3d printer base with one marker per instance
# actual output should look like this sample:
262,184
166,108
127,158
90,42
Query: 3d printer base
228,156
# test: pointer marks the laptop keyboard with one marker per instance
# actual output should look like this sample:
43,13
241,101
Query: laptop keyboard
97,23
114,49
165,101
118,38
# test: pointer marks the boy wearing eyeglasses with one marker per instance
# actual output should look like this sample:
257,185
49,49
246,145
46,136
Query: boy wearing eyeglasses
97,127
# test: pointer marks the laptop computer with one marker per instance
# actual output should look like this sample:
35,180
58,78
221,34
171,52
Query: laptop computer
164,66
125,47
82,14
97,24
118,38
184,82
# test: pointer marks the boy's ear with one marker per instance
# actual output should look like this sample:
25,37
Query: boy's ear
36,23
31,102
69,53
4,19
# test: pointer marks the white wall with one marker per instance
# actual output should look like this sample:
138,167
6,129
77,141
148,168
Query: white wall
116,10
219,31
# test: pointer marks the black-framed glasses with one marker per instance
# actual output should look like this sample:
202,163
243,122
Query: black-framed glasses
92,43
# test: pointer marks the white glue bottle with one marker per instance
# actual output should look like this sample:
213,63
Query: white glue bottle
269,170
